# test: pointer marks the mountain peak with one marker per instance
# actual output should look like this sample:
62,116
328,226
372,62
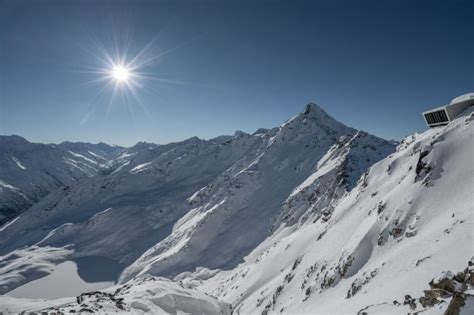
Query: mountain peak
314,110
311,107
194,139
240,133
314,114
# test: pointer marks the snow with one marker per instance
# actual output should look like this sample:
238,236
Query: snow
345,250
147,295
14,189
39,169
60,228
139,168
118,169
18,163
324,166
83,157
96,155
27,264
7,185
126,155
468,308
462,98
84,167
3,227
103,212
309,217
64,281
249,195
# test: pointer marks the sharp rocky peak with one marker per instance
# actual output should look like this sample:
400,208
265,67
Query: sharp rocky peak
314,111
314,116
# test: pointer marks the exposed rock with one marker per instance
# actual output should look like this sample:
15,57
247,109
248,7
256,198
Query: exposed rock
431,297
422,168
457,302
419,261
448,287
358,283
410,301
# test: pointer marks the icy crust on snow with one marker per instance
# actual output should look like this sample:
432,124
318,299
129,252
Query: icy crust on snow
147,295
409,218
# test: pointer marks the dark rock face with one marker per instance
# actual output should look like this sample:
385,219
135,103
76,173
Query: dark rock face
422,168
410,301
456,304
430,298
448,288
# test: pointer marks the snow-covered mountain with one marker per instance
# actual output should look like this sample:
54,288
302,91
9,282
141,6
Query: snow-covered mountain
242,206
29,171
142,198
400,241
308,217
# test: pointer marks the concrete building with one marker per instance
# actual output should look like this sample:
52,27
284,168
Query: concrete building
442,115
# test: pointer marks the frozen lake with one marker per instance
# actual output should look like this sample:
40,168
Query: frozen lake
64,281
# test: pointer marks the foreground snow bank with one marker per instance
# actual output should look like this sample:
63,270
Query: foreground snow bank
145,295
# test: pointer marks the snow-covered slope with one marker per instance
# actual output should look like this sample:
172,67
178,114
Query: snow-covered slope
310,217
29,171
409,219
120,214
239,209
191,199
146,295
100,153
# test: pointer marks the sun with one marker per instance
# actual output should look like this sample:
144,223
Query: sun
120,73
124,72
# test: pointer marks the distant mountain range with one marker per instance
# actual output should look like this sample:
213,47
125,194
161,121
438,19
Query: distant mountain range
30,171
308,217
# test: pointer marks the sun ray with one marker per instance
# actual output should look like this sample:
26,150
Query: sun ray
126,73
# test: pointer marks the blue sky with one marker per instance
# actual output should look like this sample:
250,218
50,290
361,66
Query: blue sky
373,65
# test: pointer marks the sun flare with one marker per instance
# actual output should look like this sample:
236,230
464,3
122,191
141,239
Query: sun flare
120,73
124,73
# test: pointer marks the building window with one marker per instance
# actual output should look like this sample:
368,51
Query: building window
437,117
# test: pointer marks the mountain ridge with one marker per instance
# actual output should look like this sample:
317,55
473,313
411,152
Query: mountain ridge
138,172
308,215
